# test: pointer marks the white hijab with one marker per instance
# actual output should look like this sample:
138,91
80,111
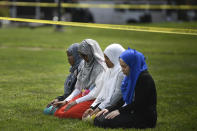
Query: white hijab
113,52
109,80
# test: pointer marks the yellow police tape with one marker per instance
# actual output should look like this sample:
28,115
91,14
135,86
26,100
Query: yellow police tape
119,6
108,26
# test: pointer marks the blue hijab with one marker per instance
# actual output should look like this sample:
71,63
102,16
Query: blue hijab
136,62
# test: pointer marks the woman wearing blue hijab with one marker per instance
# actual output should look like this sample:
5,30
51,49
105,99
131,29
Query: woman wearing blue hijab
137,108
74,60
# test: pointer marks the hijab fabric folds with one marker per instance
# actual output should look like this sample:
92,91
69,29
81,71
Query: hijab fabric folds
94,66
136,62
112,77
113,52
73,50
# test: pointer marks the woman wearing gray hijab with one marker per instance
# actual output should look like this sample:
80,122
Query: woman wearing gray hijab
74,60
92,69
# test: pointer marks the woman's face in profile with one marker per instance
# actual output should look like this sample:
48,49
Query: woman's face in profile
125,67
108,62
70,58
83,56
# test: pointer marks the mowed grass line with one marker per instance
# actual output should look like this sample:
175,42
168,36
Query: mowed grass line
33,67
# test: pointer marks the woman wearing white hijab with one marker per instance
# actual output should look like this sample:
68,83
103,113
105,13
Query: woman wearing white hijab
93,66
110,92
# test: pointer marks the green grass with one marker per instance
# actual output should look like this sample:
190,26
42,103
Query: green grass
33,66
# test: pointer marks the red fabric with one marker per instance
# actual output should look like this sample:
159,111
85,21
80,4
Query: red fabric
76,111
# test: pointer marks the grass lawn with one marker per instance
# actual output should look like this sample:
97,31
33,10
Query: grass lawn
33,67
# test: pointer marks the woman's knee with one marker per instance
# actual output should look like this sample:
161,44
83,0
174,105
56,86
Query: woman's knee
101,121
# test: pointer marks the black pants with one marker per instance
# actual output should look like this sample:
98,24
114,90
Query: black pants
123,121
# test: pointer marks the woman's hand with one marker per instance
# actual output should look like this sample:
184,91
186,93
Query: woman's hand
52,102
95,111
112,114
71,104
104,111
59,103
87,112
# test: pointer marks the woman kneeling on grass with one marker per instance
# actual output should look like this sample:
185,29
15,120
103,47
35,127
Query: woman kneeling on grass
111,82
74,60
94,65
137,108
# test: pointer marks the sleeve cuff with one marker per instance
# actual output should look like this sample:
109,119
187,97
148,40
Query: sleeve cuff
94,107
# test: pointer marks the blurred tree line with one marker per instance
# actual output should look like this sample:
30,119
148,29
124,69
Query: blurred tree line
4,10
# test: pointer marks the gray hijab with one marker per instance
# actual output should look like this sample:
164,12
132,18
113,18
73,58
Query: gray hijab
73,50
94,66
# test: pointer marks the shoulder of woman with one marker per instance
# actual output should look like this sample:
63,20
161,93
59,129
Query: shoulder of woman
120,74
146,78
98,67
81,65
